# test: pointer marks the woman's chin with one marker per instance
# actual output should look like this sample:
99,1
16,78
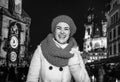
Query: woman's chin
62,42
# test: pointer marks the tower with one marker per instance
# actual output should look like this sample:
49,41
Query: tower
14,31
95,40
88,32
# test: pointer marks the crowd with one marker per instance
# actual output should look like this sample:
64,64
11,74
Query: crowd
13,74
97,73
109,72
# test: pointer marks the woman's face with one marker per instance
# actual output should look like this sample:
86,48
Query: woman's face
62,32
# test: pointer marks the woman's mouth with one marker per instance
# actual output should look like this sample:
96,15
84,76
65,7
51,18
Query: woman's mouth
62,36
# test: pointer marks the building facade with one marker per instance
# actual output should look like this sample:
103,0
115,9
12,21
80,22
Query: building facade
113,29
95,40
14,32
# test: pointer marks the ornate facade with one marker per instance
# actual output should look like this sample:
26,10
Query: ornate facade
14,32
95,40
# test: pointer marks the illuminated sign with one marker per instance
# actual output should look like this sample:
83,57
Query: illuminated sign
97,57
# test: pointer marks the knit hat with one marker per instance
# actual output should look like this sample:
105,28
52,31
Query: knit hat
66,19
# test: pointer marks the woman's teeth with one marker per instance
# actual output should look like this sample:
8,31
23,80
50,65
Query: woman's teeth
62,36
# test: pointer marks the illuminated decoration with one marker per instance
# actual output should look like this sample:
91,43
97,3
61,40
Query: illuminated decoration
13,56
14,29
97,57
88,31
99,43
95,43
104,28
14,42
97,32
14,36
87,45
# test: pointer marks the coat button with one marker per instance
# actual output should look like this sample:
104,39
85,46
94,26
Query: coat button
50,67
60,68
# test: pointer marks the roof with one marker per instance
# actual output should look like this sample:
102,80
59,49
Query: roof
24,17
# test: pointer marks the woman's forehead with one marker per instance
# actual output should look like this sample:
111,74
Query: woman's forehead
63,24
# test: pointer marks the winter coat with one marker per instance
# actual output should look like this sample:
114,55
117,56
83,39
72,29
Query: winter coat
41,70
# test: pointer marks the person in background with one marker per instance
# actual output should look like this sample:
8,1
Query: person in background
57,58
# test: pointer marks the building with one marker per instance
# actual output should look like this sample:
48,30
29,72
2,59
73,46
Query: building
95,40
14,32
113,29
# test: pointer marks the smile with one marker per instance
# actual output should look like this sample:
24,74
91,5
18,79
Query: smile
61,36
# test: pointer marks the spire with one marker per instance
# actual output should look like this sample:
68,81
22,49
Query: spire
90,14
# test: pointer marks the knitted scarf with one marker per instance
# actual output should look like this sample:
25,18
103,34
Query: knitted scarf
55,55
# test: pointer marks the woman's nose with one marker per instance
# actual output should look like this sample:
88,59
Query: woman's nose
62,31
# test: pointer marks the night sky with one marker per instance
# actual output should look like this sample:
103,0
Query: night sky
43,11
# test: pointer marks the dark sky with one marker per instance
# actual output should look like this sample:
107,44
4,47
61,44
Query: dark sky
43,11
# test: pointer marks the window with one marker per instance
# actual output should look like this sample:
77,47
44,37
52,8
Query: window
119,47
115,3
110,35
114,33
112,20
119,31
116,16
114,49
110,50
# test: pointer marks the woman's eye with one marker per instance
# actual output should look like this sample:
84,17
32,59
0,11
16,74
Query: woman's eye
66,28
59,28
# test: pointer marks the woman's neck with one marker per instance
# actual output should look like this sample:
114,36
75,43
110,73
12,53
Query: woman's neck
60,45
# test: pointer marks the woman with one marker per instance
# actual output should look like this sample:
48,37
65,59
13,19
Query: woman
57,58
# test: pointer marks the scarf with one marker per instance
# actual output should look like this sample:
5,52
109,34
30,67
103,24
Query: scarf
55,55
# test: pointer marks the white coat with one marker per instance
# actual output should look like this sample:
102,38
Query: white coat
39,69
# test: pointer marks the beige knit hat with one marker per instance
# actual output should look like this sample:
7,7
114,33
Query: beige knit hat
66,19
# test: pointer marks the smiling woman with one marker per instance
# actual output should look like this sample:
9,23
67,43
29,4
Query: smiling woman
62,32
58,58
